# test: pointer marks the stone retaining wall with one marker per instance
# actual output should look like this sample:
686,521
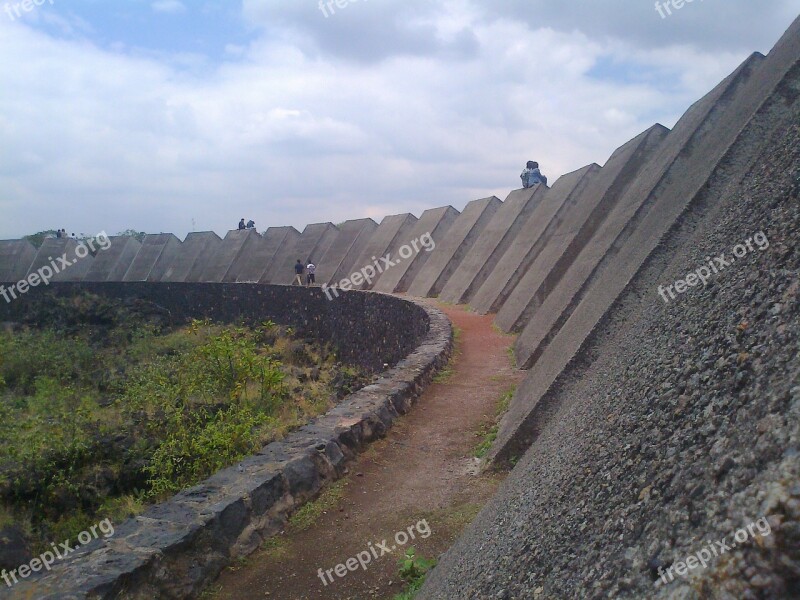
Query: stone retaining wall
177,547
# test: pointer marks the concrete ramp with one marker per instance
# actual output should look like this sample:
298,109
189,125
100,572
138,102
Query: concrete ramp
574,229
452,249
158,251
192,248
407,260
312,245
386,240
344,251
16,257
263,255
718,142
495,239
675,167
537,231
250,261
112,263
70,259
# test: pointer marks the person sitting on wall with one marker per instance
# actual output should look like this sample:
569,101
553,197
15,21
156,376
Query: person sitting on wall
251,224
242,225
532,175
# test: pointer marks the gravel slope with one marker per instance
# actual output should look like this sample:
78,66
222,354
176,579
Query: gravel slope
677,425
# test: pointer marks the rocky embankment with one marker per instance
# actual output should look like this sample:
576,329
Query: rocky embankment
676,426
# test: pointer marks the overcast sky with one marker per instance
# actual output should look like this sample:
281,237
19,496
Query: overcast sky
180,116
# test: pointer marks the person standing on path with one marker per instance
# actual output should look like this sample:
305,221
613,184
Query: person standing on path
298,273
311,268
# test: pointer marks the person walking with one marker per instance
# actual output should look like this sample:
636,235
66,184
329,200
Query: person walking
298,273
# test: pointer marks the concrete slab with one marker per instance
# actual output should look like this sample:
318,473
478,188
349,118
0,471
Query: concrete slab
311,245
16,257
250,262
727,139
535,234
435,222
206,253
112,263
494,241
386,240
338,261
71,259
680,166
158,251
191,249
276,240
452,249
215,265
574,228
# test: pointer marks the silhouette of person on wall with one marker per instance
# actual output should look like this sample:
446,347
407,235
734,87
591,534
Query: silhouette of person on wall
532,175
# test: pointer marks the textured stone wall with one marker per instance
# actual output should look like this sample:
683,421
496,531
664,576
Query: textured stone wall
369,330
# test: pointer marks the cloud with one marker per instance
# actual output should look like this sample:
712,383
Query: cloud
292,128
168,6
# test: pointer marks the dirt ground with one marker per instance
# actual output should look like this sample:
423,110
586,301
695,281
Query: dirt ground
424,470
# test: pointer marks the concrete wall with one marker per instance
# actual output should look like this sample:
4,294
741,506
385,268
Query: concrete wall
251,260
338,261
112,263
197,247
16,257
452,248
388,237
490,246
574,230
154,258
65,255
435,222
312,245
276,239
746,106
534,235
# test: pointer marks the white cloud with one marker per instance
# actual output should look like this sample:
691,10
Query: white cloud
168,6
288,133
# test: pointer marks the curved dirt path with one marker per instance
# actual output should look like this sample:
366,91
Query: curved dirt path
423,470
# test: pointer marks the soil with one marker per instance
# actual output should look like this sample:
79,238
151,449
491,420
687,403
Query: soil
424,470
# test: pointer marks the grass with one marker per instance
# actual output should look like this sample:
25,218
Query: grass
488,431
328,500
447,372
105,409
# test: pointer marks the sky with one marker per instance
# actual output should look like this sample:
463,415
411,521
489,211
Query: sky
179,116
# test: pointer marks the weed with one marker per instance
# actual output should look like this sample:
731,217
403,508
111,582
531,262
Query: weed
412,569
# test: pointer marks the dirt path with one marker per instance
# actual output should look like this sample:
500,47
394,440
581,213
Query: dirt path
423,470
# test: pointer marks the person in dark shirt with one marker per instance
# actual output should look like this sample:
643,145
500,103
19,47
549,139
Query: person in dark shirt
298,272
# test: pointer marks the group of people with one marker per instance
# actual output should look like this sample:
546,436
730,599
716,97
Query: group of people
310,270
62,233
249,225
